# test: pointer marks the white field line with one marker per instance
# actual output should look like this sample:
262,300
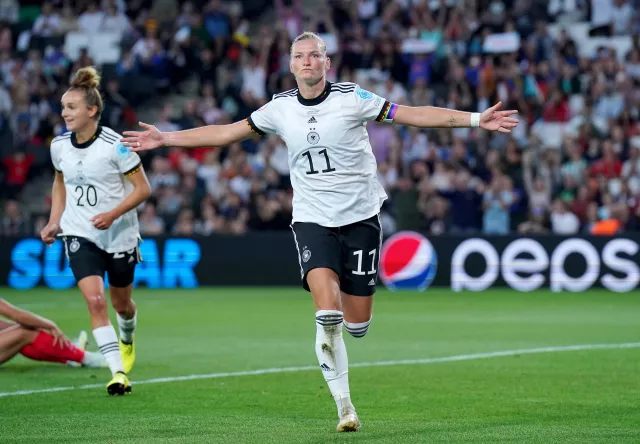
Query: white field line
265,371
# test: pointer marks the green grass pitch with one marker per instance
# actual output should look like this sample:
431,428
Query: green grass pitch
557,396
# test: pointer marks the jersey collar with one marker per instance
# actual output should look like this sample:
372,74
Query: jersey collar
88,143
316,100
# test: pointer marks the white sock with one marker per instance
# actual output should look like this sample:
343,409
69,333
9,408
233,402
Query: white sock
127,327
357,330
332,355
107,341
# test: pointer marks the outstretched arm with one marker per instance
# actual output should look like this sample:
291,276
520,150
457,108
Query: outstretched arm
432,117
206,136
31,320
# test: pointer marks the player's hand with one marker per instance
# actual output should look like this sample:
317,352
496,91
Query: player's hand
58,337
49,233
148,139
493,119
102,221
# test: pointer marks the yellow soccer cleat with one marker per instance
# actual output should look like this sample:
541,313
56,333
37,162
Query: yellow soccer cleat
128,354
119,385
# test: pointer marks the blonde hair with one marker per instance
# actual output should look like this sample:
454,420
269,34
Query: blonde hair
87,80
308,35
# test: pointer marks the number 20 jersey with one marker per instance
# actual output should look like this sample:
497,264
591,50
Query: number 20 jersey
333,169
95,182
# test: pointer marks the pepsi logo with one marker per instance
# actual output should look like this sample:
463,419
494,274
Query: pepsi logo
407,262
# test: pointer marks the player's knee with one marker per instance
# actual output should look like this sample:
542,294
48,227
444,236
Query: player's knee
357,330
121,304
97,303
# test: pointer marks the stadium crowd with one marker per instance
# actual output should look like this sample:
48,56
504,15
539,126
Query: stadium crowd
573,164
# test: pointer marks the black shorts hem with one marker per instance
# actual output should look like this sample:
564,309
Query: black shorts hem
353,292
305,284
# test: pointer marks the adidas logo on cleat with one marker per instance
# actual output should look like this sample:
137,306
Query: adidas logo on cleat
326,368
312,120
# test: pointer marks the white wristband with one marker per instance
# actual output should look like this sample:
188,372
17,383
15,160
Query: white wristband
475,120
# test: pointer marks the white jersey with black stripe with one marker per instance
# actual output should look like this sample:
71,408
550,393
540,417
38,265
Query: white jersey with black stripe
95,182
333,169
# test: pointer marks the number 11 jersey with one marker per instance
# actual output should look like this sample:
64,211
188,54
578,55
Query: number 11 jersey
95,182
333,169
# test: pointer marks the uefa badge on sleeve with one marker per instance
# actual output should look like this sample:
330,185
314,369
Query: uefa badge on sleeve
122,150
408,262
364,94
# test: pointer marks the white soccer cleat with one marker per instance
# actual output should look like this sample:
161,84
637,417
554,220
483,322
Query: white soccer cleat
94,360
91,359
81,342
349,421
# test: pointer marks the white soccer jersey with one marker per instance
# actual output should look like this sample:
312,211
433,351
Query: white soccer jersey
94,178
333,169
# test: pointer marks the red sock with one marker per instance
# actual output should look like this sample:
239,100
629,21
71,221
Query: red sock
42,349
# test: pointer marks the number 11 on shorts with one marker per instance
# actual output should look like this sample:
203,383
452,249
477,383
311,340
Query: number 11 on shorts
359,271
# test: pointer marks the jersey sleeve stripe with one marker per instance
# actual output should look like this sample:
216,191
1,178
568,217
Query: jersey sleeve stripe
253,127
342,87
290,92
111,132
59,138
133,170
108,137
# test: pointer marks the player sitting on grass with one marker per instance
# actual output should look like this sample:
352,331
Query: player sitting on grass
40,339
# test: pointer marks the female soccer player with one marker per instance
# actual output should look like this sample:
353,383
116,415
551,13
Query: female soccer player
337,197
98,185
40,339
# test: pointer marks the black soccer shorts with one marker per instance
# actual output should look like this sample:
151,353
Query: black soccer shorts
352,251
86,259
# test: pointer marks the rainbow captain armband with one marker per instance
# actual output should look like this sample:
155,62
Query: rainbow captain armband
387,112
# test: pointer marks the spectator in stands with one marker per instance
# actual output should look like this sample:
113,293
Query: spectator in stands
497,203
91,19
47,23
13,222
150,223
17,170
465,204
114,21
535,223
563,221
9,11
68,20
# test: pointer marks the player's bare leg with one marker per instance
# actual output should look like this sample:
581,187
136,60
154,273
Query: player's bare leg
13,338
330,348
357,314
92,288
126,313
41,346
